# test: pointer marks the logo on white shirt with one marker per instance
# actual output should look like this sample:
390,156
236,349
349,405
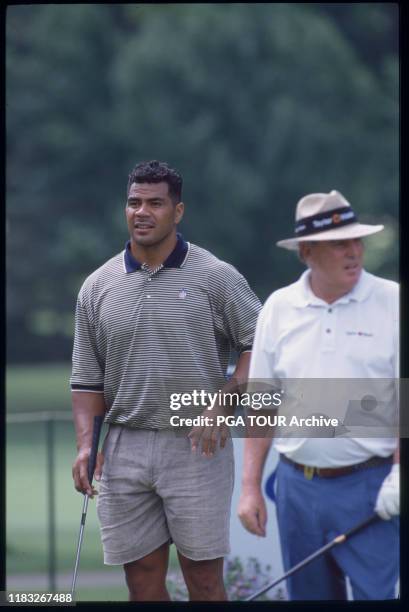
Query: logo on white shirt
359,333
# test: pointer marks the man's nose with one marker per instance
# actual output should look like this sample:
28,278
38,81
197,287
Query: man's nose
354,248
142,210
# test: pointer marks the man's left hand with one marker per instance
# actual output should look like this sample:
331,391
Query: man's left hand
209,434
387,502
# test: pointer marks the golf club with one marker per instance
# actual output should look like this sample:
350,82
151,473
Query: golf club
338,540
98,420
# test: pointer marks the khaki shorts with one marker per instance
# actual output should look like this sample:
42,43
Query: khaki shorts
154,489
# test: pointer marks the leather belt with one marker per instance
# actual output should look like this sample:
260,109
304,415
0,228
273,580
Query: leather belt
310,471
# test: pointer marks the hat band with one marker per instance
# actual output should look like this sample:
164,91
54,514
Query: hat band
325,221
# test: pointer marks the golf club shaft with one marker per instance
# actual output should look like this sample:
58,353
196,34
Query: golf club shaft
98,420
80,537
338,540
371,519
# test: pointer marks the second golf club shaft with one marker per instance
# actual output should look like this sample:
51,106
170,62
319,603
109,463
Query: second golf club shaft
338,540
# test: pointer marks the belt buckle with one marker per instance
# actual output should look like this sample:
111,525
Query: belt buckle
308,472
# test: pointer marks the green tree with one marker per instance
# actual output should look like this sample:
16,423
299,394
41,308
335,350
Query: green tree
256,104
260,104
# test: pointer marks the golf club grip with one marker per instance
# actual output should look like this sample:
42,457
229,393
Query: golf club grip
92,460
362,525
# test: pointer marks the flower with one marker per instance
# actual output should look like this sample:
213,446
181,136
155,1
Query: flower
241,580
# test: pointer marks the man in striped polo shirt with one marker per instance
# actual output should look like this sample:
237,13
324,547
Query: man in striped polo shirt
157,319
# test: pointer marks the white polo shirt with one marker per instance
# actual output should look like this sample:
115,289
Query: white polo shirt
300,336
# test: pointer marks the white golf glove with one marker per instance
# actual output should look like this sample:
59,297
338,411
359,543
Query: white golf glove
387,502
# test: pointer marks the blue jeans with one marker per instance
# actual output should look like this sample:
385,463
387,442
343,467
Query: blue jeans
311,513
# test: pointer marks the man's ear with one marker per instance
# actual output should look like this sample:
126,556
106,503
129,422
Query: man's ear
304,251
179,210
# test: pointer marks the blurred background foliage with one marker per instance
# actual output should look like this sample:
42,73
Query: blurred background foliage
255,104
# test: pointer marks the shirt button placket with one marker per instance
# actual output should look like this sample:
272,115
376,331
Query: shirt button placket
328,330
148,295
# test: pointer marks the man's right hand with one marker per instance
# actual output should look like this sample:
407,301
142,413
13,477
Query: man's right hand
80,472
252,511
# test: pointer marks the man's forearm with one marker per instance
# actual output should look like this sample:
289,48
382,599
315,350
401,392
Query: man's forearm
241,371
85,407
238,379
255,454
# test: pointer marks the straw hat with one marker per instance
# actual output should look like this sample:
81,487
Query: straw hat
326,216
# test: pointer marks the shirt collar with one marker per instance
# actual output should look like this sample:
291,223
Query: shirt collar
175,260
302,294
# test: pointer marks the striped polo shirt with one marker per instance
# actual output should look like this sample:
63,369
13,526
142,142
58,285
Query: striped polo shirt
142,334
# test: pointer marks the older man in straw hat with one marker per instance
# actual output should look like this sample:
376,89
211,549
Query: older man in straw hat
336,322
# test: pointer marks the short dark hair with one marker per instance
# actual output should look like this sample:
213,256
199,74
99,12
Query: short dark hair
158,172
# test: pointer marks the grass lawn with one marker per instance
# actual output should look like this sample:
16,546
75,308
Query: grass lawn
102,594
27,502
27,513
38,387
